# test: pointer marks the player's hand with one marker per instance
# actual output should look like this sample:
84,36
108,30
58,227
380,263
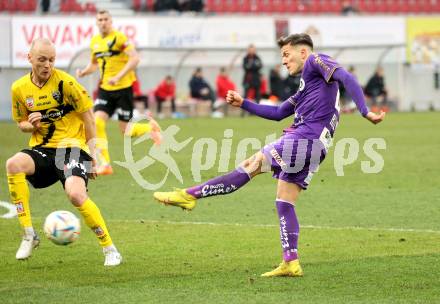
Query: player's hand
114,80
234,99
93,174
35,119
79,73
375,118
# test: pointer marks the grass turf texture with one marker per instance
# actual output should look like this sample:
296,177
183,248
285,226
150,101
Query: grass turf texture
220,261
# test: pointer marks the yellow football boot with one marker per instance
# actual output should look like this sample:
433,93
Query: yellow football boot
178,198
286,269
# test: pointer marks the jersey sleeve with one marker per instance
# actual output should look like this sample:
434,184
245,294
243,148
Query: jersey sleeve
19,111
124,44
323,65
77,96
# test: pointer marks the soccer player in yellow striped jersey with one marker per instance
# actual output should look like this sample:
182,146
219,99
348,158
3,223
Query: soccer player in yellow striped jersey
57,111
116,58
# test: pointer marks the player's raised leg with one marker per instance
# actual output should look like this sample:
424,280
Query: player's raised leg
17,167
224,184
75,188
287,194
139,129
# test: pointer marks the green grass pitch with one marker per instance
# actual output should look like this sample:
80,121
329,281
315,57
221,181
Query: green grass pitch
365,238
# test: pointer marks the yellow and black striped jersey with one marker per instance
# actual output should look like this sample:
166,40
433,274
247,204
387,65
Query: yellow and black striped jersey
60,101
109,51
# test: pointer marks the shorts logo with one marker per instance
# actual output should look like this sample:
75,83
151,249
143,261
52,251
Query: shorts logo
123,113
30,102
278,158
39,152
99,101
98,231
19,206
74,164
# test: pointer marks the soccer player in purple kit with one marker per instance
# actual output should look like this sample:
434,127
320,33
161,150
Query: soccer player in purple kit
296,155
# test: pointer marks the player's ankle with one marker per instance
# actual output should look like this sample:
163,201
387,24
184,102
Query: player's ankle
111,247
29,231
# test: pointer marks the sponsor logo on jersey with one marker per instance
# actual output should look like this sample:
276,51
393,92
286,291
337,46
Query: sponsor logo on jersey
53,114
321,63
30,102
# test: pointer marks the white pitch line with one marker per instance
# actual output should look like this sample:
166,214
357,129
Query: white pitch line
275,226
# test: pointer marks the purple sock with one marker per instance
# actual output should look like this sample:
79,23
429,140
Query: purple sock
289,230
224,184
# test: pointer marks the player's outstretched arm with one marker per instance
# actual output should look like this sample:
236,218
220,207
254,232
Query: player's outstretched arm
132,63
354,89
269,112
89,69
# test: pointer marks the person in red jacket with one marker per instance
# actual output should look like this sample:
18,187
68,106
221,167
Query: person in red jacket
224,84
166,91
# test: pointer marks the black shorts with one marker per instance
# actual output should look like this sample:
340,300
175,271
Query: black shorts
52,165
120,101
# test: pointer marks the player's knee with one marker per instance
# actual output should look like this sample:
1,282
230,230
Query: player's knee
76,197
253,164
13,166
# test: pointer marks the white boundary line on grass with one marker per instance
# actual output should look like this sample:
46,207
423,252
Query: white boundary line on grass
276,226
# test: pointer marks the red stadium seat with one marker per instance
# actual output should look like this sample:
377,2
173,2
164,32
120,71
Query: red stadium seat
136,5
90,7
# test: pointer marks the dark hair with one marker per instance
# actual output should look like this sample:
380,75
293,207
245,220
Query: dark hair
296,39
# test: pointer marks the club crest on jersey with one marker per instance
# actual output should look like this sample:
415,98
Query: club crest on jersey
19,206
30,102
302,84
98,231
56,95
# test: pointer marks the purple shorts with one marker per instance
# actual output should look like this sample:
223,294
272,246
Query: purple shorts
293,159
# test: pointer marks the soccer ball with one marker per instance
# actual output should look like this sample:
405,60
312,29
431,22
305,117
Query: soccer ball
62,227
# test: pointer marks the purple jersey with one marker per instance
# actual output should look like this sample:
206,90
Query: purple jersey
317,99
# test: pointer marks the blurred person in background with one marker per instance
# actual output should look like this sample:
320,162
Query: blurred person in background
347,104
116,58
166,5
252,65
276,82
166,92
376,92
201,90
191,5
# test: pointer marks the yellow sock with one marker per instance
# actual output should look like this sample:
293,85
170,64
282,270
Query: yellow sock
138,129
19,191
93,218
102,142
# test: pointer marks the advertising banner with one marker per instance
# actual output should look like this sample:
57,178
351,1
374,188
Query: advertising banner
351,31
68,34
423,40
218,32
